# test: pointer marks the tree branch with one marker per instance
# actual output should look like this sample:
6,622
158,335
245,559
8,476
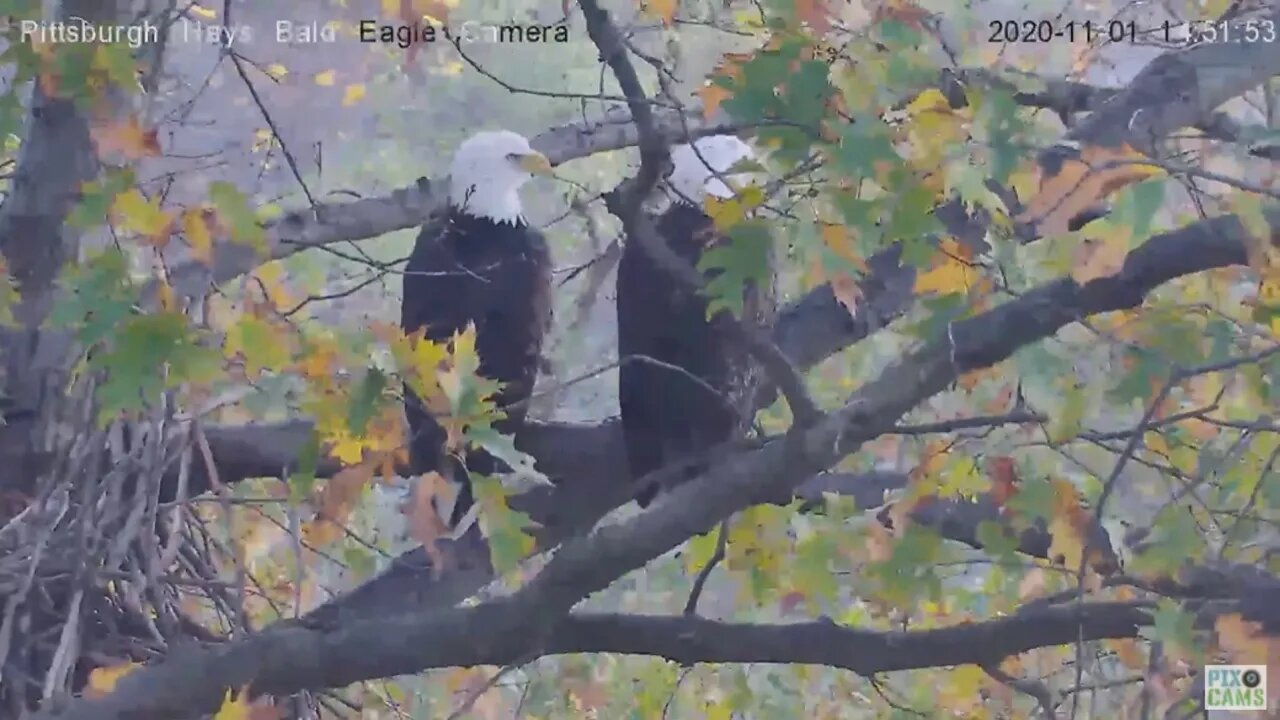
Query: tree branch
499,630
585,460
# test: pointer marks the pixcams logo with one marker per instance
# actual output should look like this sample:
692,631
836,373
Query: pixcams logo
1235,687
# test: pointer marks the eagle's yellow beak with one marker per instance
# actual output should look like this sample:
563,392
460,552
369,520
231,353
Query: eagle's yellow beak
536,163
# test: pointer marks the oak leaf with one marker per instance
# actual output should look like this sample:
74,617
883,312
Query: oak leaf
196,226
102,681
126,140
1072,181
664,10
425,524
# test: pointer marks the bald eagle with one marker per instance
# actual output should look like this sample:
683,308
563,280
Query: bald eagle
698,392
480,264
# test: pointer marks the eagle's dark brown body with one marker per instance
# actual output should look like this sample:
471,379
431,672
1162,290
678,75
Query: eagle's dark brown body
497,276
673,415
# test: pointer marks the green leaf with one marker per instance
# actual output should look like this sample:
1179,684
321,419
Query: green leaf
118,62
365,401
1033,501
998,114
101,297
807,91
912,214
97,196
149,354
863,144
744,259
258,343
996,540
504,528
1171,624
233,208
1135,207
503,447
303,480
1137,383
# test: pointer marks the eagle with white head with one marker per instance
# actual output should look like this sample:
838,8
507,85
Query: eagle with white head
700,393
482,265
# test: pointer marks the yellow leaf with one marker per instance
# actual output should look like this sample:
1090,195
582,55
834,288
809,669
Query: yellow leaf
103,680
1081,180
1156,443
1066,542
1103,256
837,237
951,273
277,71
325,79
202,12
453,68
137,214
718,710
1262,255
664,10
234,706
270,277
727,212
196,228
168,300
260,345
931,100
960,691
352,94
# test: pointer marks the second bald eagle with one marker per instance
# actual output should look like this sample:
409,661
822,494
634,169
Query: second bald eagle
684,383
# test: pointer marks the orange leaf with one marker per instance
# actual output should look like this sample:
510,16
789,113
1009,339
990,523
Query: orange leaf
236,706
1033,583
425,524
713,94
103,680
664,10
1129,652
1004,479
879,543
335,503
1082,179
904,11
815,14
124,140
847,291
1242,640
1098,258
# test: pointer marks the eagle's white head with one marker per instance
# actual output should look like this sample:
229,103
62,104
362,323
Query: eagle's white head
488,170
691,177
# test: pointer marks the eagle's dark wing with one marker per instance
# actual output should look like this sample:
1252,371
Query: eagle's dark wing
673,415
464,271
